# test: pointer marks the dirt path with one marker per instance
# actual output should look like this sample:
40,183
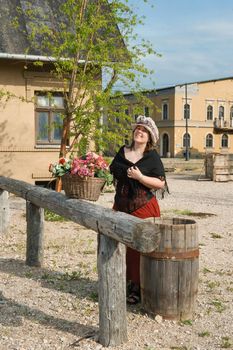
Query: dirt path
55,306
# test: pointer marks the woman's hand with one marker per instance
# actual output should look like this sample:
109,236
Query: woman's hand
150,182
134,173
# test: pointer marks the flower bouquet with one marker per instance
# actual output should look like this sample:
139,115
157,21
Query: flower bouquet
83,177
61,168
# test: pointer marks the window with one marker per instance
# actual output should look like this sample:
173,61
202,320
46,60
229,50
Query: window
221,112
187,111
146,111
224,141
117,119
186,140
231,113
165,111
210,112
49,112
231,116
209,140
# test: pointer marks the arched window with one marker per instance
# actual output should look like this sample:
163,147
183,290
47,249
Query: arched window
187,111
165,145
146,111
186,140
224,141
165,111
210,112
221,112
209,140
231,113
231,116
117,119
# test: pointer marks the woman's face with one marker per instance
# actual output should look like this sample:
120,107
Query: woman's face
141,135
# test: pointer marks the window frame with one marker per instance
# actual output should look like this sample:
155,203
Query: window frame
226,139
146,111
210,112
231,112
221,114
189,111
167,111
51,112
189,140
212,140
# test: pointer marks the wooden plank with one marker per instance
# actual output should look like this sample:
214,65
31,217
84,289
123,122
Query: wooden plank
4,211
134,232
35,235
221,178
112,292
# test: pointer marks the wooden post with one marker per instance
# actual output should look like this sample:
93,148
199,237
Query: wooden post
112,292
35,235
4,211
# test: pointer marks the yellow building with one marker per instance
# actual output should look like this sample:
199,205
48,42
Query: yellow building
209,123
32,101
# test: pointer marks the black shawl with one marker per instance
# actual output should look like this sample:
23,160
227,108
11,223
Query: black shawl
150,165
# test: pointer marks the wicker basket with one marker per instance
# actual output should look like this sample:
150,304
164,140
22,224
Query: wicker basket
82,188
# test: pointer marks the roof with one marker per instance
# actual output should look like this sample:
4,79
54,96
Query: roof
170,89
15,40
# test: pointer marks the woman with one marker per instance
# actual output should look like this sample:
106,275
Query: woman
137,171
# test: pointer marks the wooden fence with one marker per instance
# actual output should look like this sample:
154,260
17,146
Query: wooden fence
116,230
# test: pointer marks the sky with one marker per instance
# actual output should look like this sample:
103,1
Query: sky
194,37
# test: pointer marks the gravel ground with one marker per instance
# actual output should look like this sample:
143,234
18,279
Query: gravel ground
55,307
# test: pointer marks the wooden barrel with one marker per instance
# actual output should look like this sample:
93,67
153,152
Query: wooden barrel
169,275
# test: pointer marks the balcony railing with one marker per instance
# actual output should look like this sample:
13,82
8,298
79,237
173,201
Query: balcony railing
223,124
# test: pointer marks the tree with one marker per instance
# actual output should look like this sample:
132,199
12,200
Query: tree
90,56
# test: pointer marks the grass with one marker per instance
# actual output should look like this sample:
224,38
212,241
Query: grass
71,276
51,216
218,305
94,296
212,284
226,343
187,322
215,235
182,212
204,334
205,270
188,212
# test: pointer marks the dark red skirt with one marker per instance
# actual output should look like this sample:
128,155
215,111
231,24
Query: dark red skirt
151,209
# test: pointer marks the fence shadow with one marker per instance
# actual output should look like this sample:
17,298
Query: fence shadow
82,288
13,313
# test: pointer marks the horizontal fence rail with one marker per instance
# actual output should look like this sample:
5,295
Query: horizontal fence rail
124,228
115,231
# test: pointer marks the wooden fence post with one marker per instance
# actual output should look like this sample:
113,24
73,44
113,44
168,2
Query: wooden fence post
112,291
35,235
4,211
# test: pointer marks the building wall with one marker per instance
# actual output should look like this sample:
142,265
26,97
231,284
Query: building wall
166,127
20,158
199,96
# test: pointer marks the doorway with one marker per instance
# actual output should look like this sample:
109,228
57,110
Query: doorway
165,146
